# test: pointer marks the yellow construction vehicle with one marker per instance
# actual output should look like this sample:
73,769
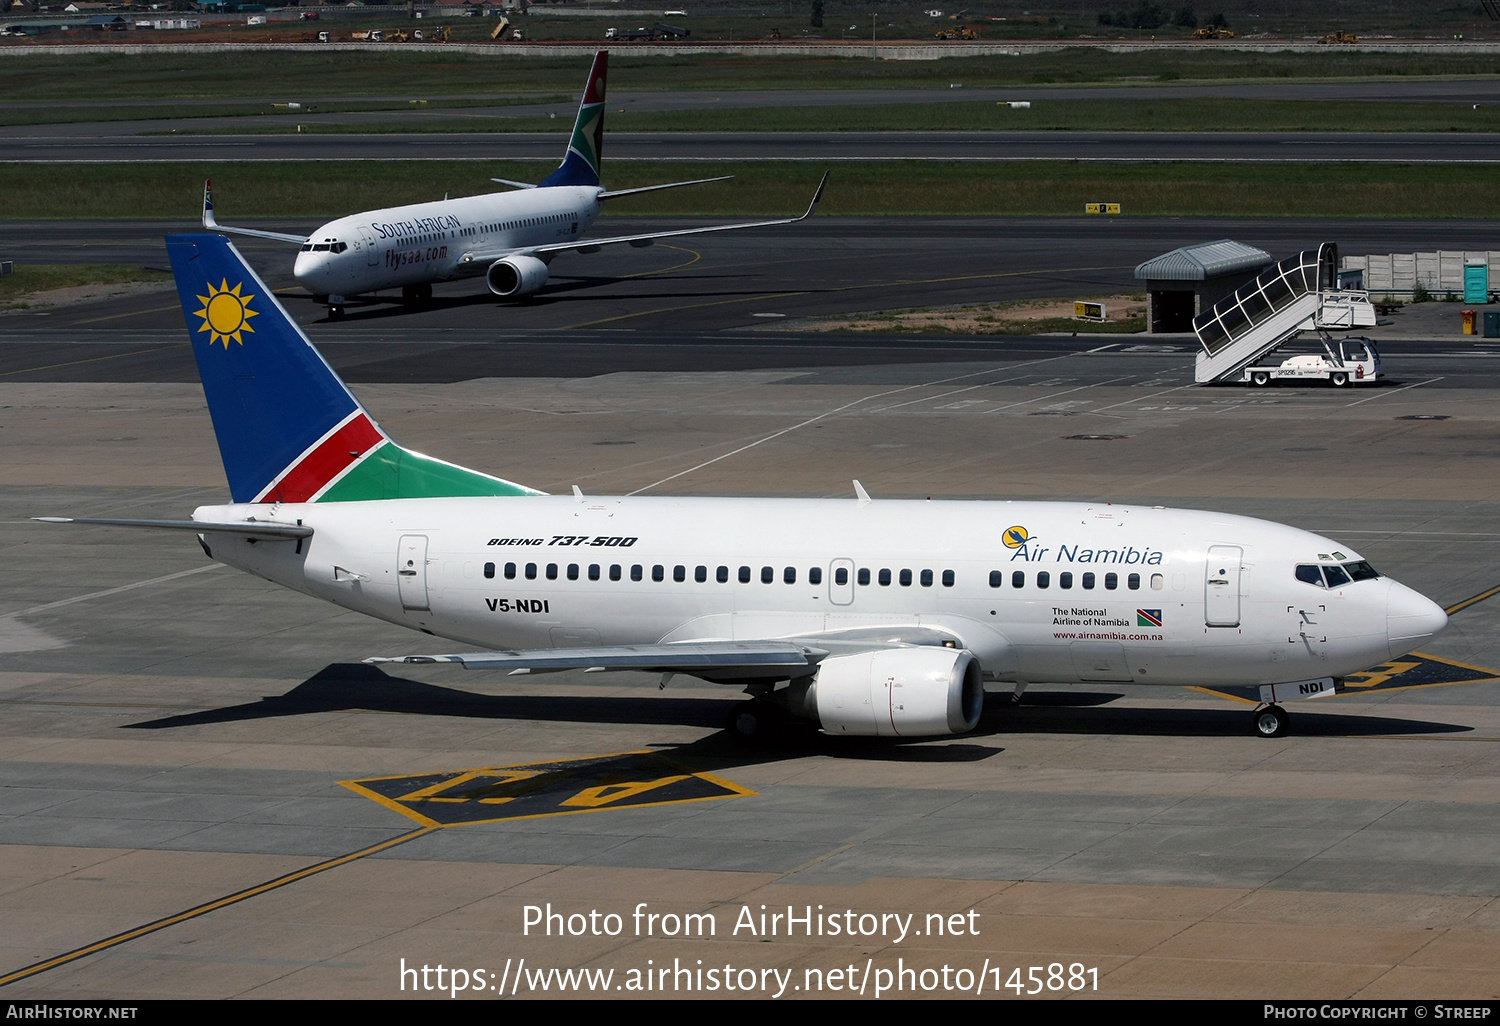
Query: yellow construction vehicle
500,28
1339,37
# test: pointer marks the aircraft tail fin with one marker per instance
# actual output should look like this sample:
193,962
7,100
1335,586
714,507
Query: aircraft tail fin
289,430
580,165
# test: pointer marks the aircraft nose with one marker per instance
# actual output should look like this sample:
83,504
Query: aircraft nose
1411,618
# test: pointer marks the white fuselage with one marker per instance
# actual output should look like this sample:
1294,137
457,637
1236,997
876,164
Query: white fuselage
1092,593
430,242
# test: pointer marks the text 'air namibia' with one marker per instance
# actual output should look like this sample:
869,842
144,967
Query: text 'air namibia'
867,617
509,238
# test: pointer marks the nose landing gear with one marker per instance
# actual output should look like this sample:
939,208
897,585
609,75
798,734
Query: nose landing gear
1271,721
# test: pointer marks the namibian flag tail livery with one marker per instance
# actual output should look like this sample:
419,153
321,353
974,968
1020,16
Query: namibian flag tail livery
288,428
581,164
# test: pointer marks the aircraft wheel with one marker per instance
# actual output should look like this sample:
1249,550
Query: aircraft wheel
751,722
1339,380
1271,721
1260,379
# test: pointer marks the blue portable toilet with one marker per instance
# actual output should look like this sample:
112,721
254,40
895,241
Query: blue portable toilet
1476,283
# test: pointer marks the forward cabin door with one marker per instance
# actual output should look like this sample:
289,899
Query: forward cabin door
411,571
1221,586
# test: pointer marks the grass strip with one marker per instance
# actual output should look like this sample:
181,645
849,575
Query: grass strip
29,279
256,75
295,191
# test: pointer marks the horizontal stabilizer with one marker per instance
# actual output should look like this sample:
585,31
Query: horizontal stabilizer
245,529
518,185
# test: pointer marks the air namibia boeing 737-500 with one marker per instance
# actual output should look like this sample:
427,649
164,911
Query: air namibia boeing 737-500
508,237
864,616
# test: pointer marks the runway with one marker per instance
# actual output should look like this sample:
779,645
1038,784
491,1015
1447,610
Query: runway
48,144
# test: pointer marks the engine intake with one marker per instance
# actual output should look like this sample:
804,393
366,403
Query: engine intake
899,692
516,276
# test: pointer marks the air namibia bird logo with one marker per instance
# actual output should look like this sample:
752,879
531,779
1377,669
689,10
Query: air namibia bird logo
226,313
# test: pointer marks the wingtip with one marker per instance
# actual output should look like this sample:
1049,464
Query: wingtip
817,196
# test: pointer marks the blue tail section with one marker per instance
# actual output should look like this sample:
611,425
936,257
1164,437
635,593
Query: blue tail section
271,395
580,165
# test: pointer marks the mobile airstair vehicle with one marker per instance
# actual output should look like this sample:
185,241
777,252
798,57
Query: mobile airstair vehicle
1297,294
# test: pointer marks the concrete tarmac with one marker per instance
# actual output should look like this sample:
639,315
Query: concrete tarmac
177,740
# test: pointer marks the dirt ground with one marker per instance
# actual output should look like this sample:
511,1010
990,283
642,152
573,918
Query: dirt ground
999,318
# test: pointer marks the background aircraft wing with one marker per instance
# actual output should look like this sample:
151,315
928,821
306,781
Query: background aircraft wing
210,223
589,245
711,660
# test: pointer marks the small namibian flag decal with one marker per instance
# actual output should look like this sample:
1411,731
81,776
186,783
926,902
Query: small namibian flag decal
1148,617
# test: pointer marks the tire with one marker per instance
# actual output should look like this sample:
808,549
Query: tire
750,722
1340,380
1271,721
1260,379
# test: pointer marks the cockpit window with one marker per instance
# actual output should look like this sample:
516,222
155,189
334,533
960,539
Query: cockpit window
339,247
1335,576
1309,574
321,247
1361,571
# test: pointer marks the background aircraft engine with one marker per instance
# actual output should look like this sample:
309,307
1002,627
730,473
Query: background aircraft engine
516,276
900,692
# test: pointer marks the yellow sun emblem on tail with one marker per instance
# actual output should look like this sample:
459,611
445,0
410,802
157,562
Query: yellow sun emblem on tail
226,313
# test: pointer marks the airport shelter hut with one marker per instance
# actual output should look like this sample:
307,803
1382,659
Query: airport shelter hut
1189,280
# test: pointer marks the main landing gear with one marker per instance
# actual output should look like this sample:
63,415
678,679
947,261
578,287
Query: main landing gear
1271,721
751,722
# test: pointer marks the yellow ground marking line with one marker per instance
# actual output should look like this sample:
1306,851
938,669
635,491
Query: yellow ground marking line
91,359
841,288
675,267
207,907
1485,675
160,309
1466,603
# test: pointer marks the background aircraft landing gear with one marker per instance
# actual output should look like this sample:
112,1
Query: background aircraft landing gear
1271,721
416,295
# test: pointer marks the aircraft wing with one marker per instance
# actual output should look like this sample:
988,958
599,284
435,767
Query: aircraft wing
213,225
718,661
712,660
590,245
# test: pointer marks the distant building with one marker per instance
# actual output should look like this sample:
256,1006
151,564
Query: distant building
1187,281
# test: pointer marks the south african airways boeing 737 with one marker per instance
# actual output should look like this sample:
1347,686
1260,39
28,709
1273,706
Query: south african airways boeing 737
508,237
863,616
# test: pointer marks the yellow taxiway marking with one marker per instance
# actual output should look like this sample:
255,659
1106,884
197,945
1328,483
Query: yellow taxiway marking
1466,603
565,787
74,363
210,906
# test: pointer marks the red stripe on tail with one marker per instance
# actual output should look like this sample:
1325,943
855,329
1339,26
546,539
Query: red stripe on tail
311,474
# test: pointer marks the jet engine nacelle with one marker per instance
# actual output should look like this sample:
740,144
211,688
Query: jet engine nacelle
516,276
899,692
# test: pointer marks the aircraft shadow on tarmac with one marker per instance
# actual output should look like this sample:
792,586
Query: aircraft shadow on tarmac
346,686
377,307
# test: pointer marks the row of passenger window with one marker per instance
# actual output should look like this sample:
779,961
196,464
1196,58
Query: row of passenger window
1088,581
745,575
863,576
